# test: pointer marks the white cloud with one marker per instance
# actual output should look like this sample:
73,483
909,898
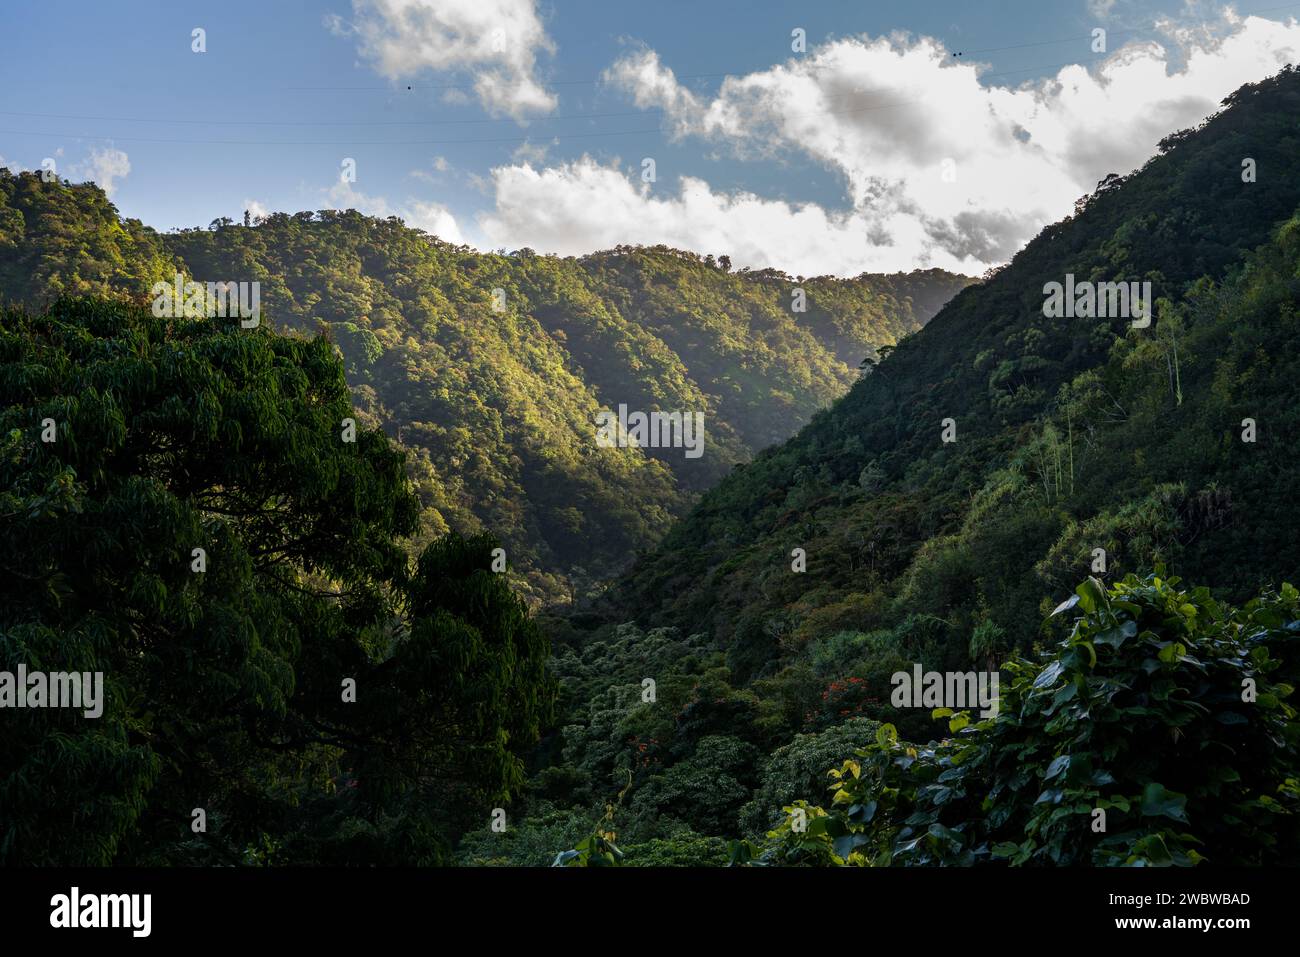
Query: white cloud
255,209
528,152
104,167
439,165
433,218
581,206
885,114
497,41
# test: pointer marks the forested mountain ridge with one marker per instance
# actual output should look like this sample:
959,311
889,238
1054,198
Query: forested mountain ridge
490,368
997,461
895,521
1079,450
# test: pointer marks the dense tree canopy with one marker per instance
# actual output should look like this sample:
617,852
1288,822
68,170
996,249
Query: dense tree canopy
1084,447
185,511
979,467
490,369
1158,732
1070,434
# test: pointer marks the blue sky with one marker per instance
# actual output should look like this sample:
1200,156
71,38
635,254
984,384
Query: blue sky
528,123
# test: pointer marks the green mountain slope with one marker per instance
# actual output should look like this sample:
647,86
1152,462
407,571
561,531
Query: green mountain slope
716,683
1071,434
57,238
491,369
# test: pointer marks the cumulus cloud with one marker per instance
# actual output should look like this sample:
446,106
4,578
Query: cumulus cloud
438,164
938,168
577,207
255,209
433,218
103,167
495,41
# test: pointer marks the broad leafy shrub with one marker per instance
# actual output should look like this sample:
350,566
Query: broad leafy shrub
1157,733
683,850
799,767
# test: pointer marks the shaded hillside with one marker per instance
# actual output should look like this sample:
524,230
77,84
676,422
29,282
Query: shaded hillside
183,518
1071,434
491,368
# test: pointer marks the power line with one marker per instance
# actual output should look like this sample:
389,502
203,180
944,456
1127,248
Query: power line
470,86
576,116
539,119
148,139
510,139
457,122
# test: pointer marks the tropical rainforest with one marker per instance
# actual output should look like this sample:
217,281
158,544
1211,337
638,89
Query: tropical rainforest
305,635
489,369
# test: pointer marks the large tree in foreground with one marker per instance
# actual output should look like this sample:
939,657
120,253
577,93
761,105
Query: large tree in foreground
187,508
